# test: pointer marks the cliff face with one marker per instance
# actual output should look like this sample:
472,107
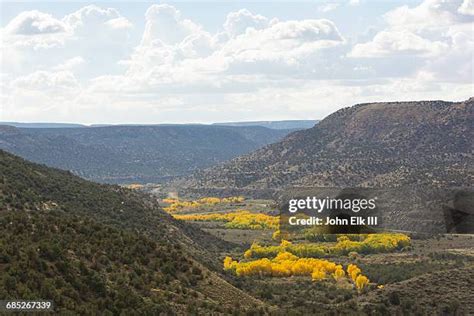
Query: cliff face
367,145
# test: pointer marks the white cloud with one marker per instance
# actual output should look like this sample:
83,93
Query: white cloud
92,16
33,29
119,23
386,43
430,16
286,48
467,7
85,67
354,2
38,30
35,40
194,60
435,30
101,28
164,24
34,23
238,22
289,38
44,80
70,64
328,7
39,95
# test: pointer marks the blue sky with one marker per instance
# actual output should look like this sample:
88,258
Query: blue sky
190,61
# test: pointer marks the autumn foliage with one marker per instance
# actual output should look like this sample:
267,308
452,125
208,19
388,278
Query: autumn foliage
371,243
176,205
242,219
286,264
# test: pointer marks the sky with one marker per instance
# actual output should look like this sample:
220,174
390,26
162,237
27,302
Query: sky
203,62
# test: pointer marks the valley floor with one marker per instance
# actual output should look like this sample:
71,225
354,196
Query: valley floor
434,275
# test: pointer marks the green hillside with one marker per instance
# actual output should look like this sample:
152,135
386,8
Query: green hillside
388,144
127,154
92,247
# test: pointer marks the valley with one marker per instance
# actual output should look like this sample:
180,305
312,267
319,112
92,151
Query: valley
190,222
393,274
110,248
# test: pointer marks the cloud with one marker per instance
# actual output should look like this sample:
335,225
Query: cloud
435,34
282,48
44,80
94,65
119,23
467,7
289,38
33,29
388,43
35,41
238,22
92,16
164,24
102,28
354,2
40,30
192,59
429,16
328,7
34,23
70,64
42,96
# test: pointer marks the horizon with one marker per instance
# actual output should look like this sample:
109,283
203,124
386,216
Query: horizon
151,124
91,124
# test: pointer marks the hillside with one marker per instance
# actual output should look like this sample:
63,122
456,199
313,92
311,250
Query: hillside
93,247
367,145
125,154
423,295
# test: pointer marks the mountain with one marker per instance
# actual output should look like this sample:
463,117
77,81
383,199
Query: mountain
42,125
125,154
285,124
288,124
98,248
388,144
